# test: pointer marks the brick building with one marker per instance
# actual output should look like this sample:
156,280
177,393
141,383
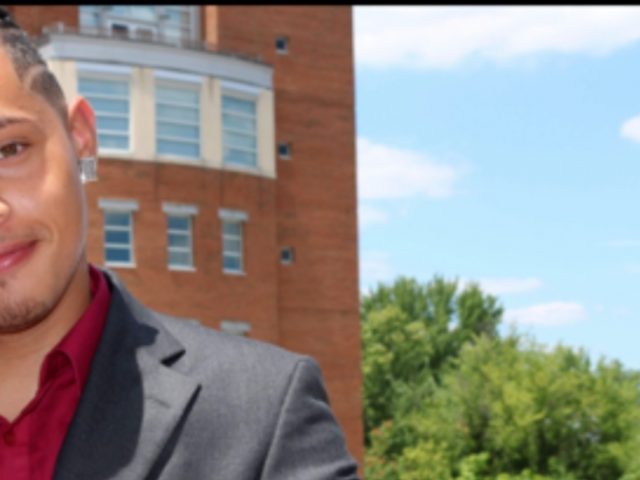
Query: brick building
227,179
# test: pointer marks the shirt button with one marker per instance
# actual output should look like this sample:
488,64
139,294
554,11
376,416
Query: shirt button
9,438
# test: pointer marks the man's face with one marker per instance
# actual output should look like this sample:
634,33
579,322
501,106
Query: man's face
42,206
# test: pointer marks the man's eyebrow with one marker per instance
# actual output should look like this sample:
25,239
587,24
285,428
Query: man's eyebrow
6,121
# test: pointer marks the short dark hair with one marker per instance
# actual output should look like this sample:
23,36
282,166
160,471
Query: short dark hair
29,66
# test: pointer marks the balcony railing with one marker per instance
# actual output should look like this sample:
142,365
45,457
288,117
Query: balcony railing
141,36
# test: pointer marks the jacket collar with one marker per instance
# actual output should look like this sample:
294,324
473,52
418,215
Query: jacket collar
133,400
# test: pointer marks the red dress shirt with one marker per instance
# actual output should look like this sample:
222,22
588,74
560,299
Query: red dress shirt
29,445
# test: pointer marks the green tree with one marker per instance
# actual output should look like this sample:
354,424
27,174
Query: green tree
447,399
409,333
509,409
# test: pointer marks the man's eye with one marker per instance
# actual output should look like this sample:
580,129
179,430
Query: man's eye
11,149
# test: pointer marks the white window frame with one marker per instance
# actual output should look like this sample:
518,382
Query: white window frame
119,206
235,327
187,82
242,92
183,211
111,72
233,216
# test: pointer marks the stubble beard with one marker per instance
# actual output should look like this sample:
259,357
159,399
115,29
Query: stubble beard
19,315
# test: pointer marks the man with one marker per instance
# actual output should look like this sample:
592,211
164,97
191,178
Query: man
94,385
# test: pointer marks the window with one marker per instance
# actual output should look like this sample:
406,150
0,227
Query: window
232,246
239,130
167,23
284,151
118,235
179,241
119,30
178,120
179,235
282,44
286,256
232,240
179,22
90,17
235,327
118,231
109,97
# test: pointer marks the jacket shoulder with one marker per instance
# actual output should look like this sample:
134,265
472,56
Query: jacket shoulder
215,351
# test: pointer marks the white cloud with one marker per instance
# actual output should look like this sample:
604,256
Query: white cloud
368,215
375,267
547,314
500,286
442,37
631,129
389,173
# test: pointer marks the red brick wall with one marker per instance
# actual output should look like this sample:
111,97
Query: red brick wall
310,306
206,294
33,17
316,189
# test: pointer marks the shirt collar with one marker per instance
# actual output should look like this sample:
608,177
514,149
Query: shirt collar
81,342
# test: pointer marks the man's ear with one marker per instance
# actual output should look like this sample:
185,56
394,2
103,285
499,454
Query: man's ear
82,126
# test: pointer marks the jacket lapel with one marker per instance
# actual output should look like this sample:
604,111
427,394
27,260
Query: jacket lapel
132,402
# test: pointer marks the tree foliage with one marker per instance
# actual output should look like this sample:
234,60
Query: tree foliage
461,403
410,332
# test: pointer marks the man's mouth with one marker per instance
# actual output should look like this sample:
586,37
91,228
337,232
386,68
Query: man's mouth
11,254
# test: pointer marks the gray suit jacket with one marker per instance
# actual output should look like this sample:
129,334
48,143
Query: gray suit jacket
170,399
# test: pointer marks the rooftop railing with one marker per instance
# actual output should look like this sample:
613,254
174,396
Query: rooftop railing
141,36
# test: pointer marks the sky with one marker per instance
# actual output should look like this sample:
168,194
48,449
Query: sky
501,145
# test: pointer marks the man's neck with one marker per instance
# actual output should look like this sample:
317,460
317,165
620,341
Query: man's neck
22,353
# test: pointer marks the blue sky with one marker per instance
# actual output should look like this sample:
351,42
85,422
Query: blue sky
502,145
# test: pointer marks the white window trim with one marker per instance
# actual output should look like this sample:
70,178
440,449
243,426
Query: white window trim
127,206
237,273
179,268
236,167
240,89
118,204
168,75
171,208
233,215
235,327
104,68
